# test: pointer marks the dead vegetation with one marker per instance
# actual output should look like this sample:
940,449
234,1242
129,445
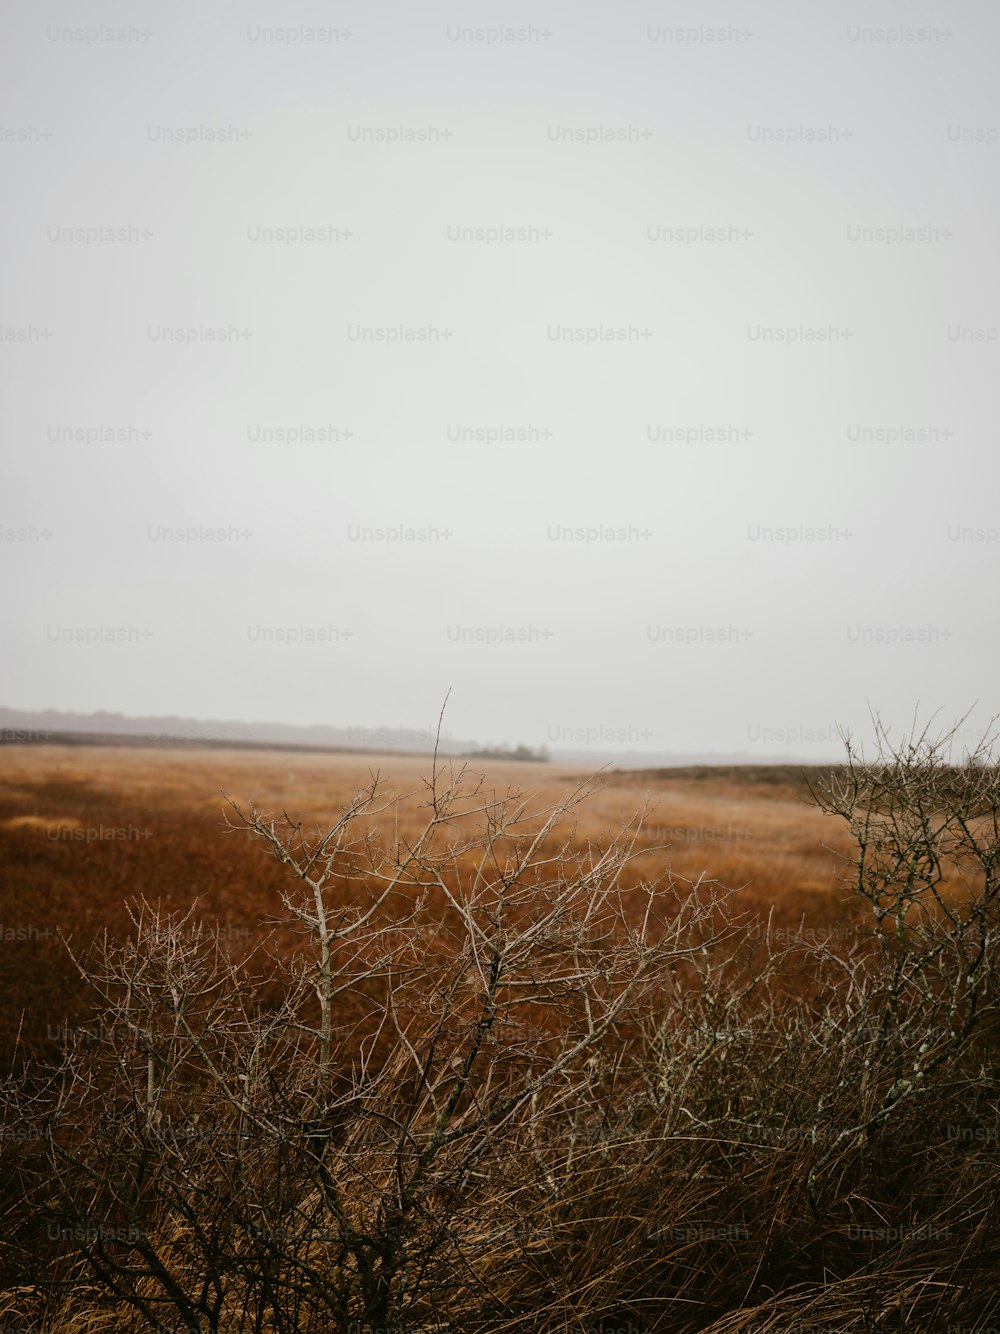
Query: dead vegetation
490,1071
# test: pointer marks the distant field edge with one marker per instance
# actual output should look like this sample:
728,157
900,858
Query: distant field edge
136,741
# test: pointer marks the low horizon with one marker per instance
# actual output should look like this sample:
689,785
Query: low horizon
600,745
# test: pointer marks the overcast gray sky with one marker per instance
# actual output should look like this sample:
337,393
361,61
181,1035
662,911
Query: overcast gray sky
628,367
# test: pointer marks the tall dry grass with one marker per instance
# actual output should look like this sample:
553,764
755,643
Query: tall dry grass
749,1146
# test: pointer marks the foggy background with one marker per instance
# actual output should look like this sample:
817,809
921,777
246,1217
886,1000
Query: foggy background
701,456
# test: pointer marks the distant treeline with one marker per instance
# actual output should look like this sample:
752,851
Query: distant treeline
541,755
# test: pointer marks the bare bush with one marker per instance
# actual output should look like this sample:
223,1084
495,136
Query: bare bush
927,833
270,1168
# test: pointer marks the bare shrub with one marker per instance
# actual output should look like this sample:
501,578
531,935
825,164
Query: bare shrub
212,1161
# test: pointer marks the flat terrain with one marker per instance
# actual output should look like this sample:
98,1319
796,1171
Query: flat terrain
702,1171
84,829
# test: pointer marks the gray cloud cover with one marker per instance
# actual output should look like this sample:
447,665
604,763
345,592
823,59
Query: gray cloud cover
626,367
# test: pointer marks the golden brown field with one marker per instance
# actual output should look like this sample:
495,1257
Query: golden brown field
453,1111
85,829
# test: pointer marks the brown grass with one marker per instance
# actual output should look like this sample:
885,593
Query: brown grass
763,837
659,1230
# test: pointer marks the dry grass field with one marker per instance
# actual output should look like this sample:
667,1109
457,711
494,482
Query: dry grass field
84,829
486,1128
